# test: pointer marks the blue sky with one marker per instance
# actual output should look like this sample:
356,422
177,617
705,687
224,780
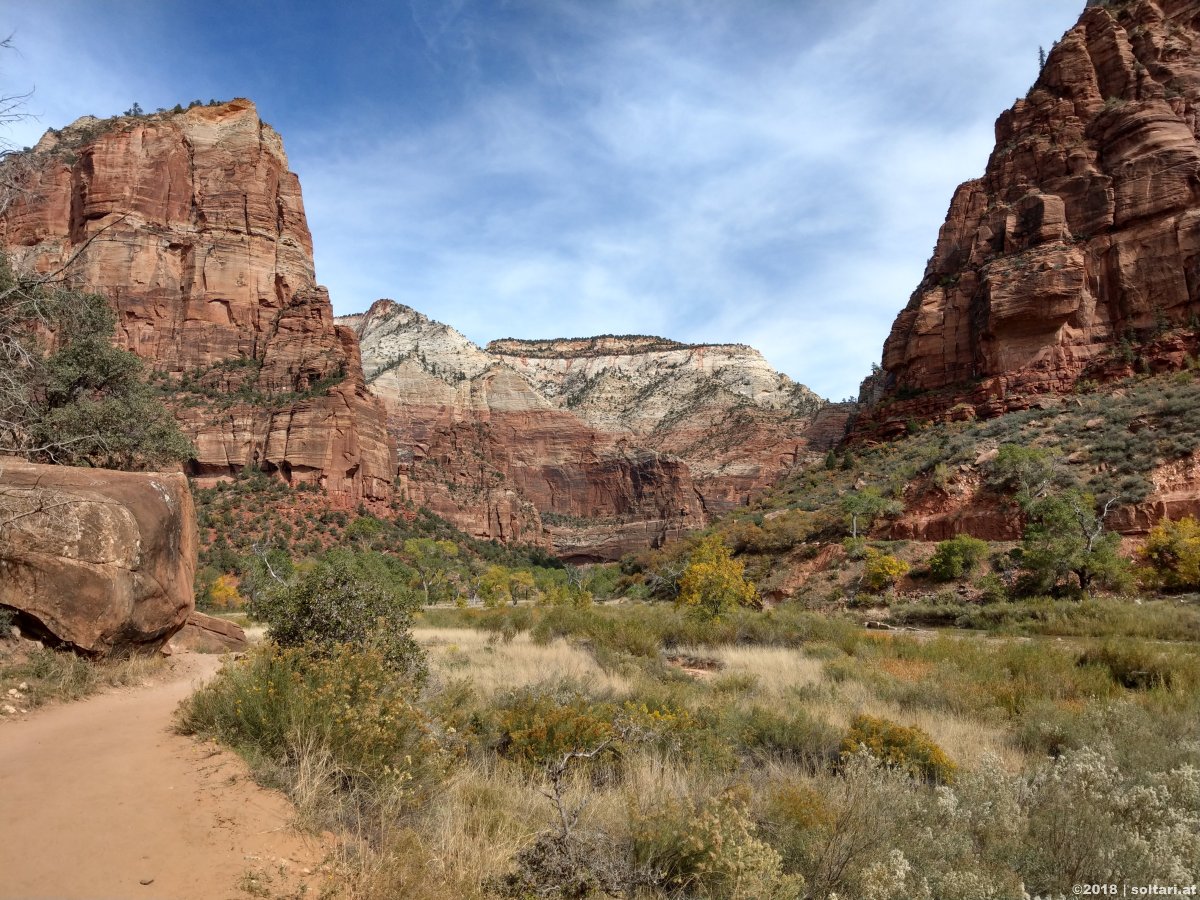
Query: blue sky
757,171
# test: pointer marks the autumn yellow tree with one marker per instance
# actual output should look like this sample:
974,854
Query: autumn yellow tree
714,582
882,570
224,593
1171,555
495,586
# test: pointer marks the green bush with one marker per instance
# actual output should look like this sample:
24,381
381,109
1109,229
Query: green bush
956,557
790,734
1139,666
908,749
331,604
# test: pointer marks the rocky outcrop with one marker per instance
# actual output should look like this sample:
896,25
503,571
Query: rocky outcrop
481,447
192,225
100,561
208,634
1080,243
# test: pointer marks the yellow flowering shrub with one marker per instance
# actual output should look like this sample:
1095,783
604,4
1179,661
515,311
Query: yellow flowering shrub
536,726
906,748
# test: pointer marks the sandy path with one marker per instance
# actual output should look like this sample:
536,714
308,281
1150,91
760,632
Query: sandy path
99,796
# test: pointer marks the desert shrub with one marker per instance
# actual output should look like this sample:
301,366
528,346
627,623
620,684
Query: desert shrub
790,734
1171,555
908,749
882,570
576,866
1088,821
278,704
956,557
708,848
541,724
331,604
1139,666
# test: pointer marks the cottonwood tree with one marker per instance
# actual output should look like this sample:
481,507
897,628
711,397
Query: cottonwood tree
1066,536
714,582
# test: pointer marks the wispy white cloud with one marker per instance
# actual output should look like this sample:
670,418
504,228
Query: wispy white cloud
760,172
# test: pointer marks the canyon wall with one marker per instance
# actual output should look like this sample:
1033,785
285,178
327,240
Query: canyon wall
605,444
191,224
1077,254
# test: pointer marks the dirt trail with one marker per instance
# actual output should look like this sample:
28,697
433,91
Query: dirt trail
99,797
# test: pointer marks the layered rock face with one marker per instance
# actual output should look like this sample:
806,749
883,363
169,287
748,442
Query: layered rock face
1080,243
737,423
192,225
99,560
596,442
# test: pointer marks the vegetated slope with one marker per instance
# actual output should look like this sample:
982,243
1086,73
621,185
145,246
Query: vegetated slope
610,444
193,227
1135,442
1076,251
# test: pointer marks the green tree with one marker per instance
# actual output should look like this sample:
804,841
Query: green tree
521,585
433,560
714,582
1025,472
67,395
1065,537
861,508
957,557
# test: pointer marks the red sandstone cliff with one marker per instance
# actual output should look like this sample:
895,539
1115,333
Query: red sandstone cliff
194,228
1080,242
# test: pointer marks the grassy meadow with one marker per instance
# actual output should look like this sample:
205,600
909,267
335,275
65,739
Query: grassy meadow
635,750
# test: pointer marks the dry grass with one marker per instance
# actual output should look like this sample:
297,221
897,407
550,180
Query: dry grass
967,740
55,676
494,664
775,670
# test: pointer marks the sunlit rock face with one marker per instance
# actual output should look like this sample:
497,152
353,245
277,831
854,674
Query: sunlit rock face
97,560
193,227
604,445
1082,236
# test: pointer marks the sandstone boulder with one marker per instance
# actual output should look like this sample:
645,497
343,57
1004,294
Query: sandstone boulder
209,634
97,560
